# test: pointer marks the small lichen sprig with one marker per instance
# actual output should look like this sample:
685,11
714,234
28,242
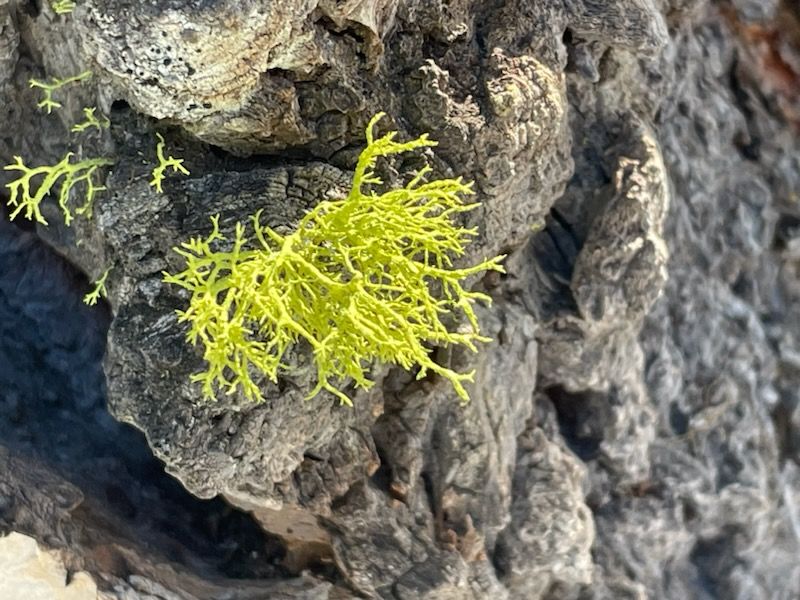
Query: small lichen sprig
27,196
164,163
90,120
99,289
62,7
47,102
355,281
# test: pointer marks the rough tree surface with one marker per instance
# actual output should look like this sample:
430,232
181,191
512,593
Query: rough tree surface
634,429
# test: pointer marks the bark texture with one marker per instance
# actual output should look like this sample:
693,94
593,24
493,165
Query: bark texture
634,429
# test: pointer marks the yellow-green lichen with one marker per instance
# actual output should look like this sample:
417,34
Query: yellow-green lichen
355,282
90,120
47,102
28,192
99,289
164,163
62,7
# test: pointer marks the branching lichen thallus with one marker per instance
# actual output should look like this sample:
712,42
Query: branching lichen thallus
354,280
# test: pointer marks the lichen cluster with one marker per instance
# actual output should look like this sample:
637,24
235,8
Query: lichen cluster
34,184
28,192
365,278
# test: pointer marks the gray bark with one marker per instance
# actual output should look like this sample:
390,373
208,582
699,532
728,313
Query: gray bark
634,428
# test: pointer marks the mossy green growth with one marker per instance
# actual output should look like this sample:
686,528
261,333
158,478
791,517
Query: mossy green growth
47,102
26,196
355,282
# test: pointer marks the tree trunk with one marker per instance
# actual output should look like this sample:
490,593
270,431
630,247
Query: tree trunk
634,424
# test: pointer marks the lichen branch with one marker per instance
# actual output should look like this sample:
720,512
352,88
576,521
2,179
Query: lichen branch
62,7
164,163
27,196
99,289
90,120
47,102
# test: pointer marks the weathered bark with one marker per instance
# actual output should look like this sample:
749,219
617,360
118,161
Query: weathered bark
634,429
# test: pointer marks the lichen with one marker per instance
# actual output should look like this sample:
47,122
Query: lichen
164,163
27,196
90,120
99,289
47,102
62,7
355,282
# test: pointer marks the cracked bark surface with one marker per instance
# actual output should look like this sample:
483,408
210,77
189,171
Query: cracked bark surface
634,429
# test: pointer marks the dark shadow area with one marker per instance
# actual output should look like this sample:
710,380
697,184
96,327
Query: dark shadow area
53,410
578,421
714,558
